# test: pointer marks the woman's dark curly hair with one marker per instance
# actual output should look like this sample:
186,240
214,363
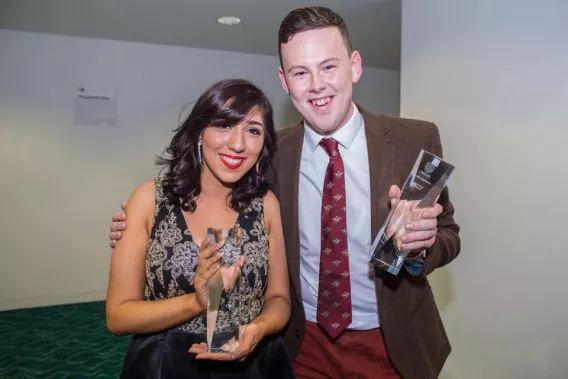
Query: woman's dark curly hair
227,102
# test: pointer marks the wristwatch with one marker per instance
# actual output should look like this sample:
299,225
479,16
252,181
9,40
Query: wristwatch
416,264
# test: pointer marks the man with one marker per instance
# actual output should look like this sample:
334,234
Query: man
337,173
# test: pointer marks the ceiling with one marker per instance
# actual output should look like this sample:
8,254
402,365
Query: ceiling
374,25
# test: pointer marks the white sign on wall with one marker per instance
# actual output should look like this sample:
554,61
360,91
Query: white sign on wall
94,105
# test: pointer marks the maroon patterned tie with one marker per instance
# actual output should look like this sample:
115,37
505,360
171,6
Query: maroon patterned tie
334,295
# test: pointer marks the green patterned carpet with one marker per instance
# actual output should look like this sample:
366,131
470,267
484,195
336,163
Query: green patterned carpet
61,342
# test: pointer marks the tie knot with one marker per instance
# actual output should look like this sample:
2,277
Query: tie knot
330,146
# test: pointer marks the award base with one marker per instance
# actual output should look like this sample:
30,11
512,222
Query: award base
424,184
223,294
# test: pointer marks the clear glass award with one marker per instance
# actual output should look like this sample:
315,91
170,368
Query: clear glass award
223,293
421,190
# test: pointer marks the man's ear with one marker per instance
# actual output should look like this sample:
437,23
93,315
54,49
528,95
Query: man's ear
356,66
283,80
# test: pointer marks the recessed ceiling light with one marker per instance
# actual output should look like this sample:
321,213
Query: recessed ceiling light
229,20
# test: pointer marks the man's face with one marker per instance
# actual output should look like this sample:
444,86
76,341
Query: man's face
318,73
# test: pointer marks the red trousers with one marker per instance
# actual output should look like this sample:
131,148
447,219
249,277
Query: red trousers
355,354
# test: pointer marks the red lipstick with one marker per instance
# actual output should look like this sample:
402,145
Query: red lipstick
232,161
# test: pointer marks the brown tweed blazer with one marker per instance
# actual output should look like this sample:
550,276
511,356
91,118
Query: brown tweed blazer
415,338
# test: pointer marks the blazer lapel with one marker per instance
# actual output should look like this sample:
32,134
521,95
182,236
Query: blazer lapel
289,156
382,152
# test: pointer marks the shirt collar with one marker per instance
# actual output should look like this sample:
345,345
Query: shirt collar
345,135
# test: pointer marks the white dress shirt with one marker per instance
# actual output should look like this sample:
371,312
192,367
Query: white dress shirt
314,161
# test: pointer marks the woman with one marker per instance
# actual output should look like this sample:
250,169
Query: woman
215,177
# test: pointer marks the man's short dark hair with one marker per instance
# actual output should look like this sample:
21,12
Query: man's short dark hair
310,18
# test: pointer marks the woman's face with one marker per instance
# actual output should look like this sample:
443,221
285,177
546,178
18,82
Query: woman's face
229,152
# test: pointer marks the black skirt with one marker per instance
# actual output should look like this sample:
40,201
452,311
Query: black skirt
165,356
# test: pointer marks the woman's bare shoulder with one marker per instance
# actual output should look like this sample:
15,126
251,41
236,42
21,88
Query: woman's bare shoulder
142,201
271,209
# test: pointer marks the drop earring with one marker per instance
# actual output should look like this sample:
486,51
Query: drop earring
257,166
199,148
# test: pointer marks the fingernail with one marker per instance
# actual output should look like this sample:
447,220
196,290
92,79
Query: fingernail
405,238
237,356
409,226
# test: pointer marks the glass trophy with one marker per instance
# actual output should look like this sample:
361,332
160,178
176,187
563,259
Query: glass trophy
223,293
421,190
